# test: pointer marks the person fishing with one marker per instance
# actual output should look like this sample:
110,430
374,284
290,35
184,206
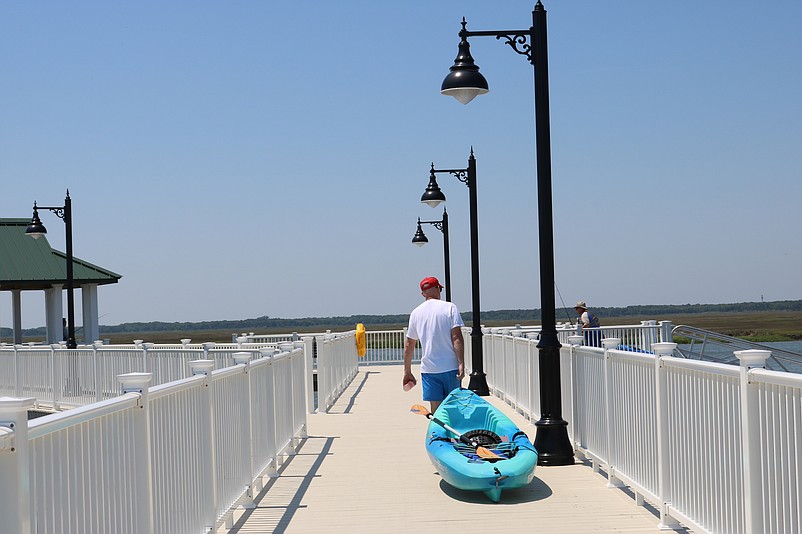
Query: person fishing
588,320
437,324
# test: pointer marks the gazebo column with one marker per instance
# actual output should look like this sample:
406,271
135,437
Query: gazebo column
16,314
54,314
90,313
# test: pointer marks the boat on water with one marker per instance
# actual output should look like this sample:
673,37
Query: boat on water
474,446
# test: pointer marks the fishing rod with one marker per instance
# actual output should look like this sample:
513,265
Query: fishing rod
561,300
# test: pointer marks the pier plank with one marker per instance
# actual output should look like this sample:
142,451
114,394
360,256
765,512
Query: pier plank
364,468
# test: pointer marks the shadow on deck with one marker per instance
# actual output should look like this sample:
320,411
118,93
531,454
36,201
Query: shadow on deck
364,468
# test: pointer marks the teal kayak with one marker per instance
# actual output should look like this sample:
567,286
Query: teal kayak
472,417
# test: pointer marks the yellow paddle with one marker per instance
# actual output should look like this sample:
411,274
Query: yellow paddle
482,452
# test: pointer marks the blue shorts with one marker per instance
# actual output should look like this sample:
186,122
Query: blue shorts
436,386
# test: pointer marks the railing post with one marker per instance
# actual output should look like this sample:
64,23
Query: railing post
287,347
750,439
666,332
301,411
610,343
651,334
323,365
145,348
15,484
270,415
244,358
96,370
56,377
660,351
574,341
467,353
17,381
143,493
534,375
207,443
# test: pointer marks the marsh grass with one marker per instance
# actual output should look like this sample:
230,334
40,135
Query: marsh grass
759,327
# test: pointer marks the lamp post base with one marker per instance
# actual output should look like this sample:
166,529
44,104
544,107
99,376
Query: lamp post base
551,440
552,443
478,384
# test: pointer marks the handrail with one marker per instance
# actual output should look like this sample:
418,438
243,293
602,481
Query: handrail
630,415
778,360
239,421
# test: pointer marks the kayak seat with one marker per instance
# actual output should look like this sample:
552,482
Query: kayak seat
480,418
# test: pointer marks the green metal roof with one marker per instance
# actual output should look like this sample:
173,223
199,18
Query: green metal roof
27,263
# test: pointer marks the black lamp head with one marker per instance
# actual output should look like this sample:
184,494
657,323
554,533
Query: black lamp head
420,238
464,81
432,196
36,229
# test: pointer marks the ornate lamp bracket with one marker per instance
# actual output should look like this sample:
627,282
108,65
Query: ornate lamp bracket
461,175
58,211
519,43
519,40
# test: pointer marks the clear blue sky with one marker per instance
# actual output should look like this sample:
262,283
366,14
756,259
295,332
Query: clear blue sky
239,159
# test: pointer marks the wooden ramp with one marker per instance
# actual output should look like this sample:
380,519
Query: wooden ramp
364,468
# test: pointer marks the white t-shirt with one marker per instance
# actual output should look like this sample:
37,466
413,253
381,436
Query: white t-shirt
431,324
589,320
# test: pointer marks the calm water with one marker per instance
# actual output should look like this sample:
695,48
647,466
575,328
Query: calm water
791,346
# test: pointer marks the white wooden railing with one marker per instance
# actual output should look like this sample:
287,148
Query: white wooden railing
179,456
631,337
387,347
60,378
337,365
716,447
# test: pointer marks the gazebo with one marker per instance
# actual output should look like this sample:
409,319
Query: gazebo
28,264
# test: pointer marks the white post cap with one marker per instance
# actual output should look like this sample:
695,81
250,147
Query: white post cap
664,348
610,342
752,357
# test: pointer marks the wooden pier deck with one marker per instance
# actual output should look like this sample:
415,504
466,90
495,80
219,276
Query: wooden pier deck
364,469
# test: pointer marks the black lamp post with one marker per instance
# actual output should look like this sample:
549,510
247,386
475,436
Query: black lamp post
420,239
464,82
433,196
36,230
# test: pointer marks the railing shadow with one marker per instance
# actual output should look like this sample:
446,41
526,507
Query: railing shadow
283,522
279,524
349,406
647,505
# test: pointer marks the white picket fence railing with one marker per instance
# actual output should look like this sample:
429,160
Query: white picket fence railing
337,365
62,378
386,347
179,456
715,447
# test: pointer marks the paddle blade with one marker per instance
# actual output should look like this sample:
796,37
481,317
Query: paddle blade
487,454
420,410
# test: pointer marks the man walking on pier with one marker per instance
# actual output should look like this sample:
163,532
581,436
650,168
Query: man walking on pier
437,324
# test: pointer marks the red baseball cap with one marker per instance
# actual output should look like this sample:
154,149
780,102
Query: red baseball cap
428,282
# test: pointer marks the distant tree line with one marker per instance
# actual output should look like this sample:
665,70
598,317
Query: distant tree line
265,322
650,310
